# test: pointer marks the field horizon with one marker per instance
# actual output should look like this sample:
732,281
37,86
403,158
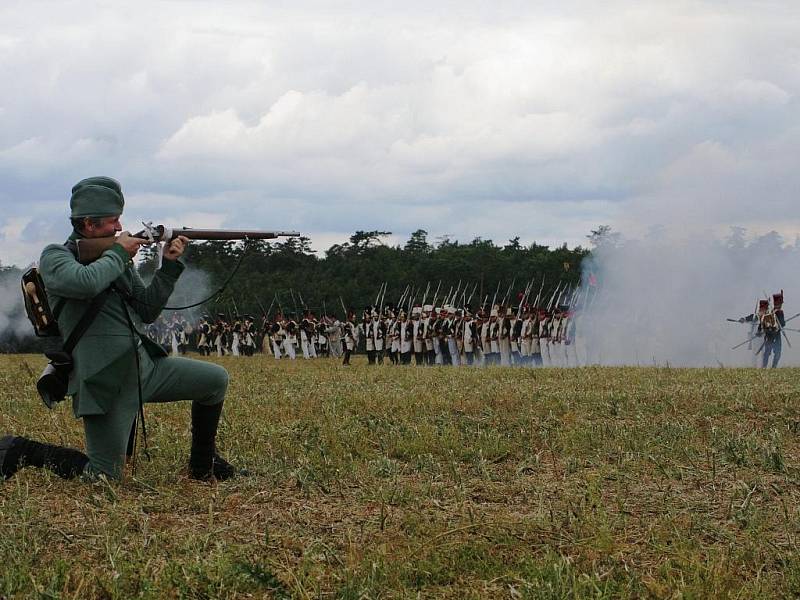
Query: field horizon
392,482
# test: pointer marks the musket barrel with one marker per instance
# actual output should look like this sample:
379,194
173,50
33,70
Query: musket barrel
229,234
90,249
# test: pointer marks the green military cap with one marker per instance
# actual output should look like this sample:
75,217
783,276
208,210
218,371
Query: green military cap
96,197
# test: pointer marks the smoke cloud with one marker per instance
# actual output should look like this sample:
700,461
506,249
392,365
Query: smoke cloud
664,298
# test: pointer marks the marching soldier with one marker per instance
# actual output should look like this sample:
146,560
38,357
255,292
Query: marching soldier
470,337
307,331
770,324
367,330
290,337
204,345
452,336
350,338
404,335
504,335
418,334
427,334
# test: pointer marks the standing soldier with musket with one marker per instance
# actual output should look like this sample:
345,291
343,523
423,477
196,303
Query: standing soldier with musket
770,324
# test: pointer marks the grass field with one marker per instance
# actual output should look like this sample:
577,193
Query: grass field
408,482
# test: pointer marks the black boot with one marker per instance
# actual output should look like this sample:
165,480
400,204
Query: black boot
204,462
17,452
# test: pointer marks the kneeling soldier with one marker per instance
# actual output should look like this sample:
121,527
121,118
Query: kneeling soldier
116,367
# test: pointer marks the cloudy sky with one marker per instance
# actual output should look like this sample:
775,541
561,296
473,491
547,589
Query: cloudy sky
494,119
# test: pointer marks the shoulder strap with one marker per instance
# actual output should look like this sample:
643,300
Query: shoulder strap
59,306
86,320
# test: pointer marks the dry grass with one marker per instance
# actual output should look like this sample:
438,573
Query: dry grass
398,482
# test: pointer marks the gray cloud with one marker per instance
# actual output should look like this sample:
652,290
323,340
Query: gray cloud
463,118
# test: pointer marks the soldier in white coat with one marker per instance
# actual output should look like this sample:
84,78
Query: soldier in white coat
367,330
350,338
427,334
404,336
470,337
544,338
494,337
452,337
536,349
290,338
307,333
418,334
504,336
486,344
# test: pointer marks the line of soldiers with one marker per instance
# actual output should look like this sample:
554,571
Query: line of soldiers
501,335
447,335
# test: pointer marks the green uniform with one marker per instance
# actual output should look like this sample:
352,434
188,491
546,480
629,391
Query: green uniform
103,383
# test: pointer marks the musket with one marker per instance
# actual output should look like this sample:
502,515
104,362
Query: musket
451,300
425,295
539,295
380,291
343,308
436,294
403,295
447,296
508,291
90,249
266,314
261,306
524,299
497,291
291,293
474,289
553,297
280,307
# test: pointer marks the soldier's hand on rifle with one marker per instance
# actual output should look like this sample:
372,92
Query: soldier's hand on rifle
129,243
176,248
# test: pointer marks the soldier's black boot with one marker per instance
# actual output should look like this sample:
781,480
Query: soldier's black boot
204,462
17,452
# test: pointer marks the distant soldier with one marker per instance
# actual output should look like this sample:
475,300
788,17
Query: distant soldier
322,338
307,331
367,331
277,335
404,335
248,336
770,325
515,337
333,329
290,337
504,335
453,336
427,334
204,344
350,338
469,337
418,333
218,335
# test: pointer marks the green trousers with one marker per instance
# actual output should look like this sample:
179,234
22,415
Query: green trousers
163,380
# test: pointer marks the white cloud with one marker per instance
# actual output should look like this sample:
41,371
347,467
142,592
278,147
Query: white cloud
452,116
